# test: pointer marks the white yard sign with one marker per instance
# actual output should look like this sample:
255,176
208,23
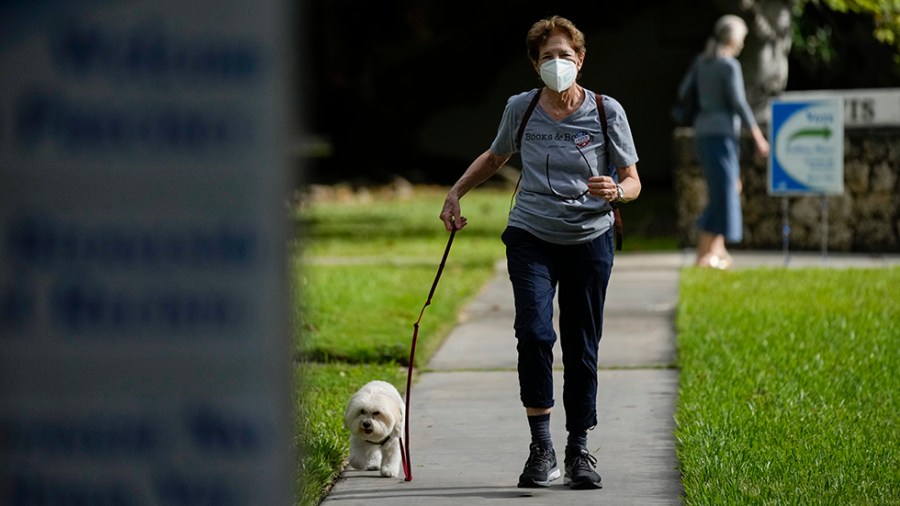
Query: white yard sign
863,108
143,331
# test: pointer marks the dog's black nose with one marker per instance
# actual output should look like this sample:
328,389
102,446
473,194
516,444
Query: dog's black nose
366,424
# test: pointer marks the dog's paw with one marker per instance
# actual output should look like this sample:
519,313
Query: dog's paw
361,462
390,472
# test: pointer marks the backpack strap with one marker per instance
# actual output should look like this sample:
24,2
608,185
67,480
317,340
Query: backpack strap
519,134
526,116
617,217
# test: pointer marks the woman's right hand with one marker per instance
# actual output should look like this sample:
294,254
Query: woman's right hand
762,145
763,148
450,215
486,165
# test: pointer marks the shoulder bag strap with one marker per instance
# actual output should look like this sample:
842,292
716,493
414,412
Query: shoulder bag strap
525,117
617,217
519,134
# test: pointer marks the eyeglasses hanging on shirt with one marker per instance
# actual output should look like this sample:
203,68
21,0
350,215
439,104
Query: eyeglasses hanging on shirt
560,196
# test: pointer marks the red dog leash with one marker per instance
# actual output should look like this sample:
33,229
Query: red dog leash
404,449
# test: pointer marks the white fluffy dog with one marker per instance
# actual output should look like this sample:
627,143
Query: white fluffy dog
374,418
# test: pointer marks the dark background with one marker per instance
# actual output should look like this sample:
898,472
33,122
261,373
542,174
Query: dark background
415,88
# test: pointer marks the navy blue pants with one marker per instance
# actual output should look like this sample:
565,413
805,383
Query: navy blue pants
581,274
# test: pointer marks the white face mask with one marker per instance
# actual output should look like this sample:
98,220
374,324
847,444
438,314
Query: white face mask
559,74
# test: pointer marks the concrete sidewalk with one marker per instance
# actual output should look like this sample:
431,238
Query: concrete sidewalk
468,433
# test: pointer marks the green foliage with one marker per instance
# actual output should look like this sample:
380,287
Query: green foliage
885,16
817,39
790,386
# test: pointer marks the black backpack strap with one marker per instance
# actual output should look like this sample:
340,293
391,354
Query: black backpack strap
525,117
617,217
519,134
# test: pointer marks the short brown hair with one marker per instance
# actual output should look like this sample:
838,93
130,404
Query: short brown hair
540,31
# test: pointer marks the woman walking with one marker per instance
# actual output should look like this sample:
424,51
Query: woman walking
559,237
717,75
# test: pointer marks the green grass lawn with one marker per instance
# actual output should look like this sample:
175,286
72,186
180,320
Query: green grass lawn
367,267
790,386
372,322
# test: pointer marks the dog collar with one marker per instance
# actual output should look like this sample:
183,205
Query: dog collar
379,443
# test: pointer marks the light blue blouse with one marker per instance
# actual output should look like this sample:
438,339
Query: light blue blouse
723,102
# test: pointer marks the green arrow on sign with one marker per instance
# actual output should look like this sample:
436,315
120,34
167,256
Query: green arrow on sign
824,132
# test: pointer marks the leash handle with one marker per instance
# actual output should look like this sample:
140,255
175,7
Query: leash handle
404,448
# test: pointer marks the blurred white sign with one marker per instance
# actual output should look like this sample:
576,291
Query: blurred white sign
144,354
862,108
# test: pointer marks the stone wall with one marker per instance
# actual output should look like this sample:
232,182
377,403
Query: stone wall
866,218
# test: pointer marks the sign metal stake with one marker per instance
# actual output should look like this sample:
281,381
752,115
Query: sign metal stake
824,229
785,231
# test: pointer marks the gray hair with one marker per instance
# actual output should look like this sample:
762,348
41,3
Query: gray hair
729,28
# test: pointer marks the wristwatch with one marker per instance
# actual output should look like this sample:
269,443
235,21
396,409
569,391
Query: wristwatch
621,197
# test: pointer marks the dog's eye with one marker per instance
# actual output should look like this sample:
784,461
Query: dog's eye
362,411
376,413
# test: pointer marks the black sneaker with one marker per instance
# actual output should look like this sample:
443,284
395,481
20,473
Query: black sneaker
580,472
540,468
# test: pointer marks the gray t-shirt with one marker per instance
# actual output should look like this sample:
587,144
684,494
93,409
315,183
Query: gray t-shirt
558,157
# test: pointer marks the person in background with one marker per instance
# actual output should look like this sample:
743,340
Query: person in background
559,236
717,127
